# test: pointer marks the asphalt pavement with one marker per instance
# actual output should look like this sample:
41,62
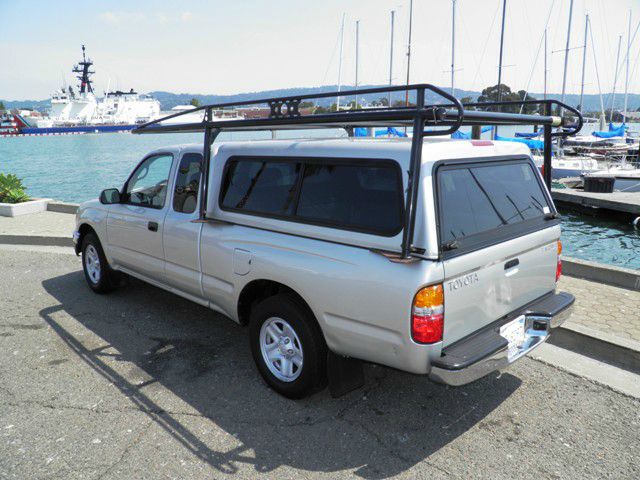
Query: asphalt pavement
143,384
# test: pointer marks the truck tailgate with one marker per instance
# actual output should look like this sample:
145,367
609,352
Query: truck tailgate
485,285
499,240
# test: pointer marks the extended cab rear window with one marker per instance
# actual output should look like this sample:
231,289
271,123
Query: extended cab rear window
475,199
359,195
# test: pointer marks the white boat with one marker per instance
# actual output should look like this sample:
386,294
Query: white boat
197,115
126,108
626,180
69,108
577,166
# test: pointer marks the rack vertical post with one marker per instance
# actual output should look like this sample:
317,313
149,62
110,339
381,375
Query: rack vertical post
414,175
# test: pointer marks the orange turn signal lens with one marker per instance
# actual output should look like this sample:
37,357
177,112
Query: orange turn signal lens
559,247
429,297
427,315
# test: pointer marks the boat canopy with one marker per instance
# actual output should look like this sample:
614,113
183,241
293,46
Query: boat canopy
467,135
394,132
613,132
532,144
528,134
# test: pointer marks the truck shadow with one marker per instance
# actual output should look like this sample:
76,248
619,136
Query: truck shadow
163,352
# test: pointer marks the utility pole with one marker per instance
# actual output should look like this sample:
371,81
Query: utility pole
406,98
504,11
566,53
453,46
626,81
340,63
584,60
357,53
615,80
393,13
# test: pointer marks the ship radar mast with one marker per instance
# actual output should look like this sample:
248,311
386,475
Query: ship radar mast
83,68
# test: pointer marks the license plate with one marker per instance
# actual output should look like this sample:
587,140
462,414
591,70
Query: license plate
513,332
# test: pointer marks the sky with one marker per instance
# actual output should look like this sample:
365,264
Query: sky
225,47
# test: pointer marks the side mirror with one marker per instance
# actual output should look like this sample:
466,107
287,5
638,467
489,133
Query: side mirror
110,196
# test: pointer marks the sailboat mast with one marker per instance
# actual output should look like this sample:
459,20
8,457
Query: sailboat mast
595,64
340,63
453,46
406,98
584,60
566,53
357,59
615,80
626,81
504,12
545,64
393,13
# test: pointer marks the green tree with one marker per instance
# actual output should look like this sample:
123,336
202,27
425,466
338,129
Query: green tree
2,106
306,105
503,93
195,102
467,100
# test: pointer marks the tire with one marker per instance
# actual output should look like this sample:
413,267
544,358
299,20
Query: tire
99,276
300,345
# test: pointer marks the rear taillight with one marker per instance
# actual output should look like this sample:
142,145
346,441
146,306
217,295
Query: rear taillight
427,315
559,265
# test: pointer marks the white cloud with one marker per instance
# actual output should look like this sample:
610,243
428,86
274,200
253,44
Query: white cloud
122,17
186,16
109,17
161,18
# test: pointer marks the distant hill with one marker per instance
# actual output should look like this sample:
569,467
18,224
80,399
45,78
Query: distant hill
41,105
169,100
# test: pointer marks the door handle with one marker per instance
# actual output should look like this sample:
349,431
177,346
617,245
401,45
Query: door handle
153,226
511,263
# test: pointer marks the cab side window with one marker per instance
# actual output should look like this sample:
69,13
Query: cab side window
147,186
185,194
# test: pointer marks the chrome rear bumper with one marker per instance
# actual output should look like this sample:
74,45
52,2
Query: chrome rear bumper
486,350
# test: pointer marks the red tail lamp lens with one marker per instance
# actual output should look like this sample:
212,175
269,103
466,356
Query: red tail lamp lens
427,319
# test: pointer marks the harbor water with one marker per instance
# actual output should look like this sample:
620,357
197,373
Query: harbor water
75,168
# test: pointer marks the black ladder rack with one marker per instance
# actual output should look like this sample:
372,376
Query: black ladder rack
285,114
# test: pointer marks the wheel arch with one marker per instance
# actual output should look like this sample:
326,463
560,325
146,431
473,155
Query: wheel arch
257,290
84,229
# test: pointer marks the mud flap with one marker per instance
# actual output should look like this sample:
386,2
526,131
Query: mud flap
345,374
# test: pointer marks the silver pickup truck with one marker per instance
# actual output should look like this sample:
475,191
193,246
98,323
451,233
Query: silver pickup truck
302,244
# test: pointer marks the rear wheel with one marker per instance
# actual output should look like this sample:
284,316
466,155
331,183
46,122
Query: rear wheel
288,346
100,277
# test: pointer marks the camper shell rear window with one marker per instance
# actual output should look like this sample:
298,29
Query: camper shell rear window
485,202
349,194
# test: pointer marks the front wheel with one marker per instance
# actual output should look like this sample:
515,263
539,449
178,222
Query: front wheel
99,276
288,346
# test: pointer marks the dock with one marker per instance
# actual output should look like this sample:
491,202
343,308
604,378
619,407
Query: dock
624,202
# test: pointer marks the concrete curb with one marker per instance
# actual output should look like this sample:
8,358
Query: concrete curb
619,352
598,272
36,240
62,207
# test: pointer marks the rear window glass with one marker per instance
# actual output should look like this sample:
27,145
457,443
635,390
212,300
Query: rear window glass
477,199
261,186
357,197
365,197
